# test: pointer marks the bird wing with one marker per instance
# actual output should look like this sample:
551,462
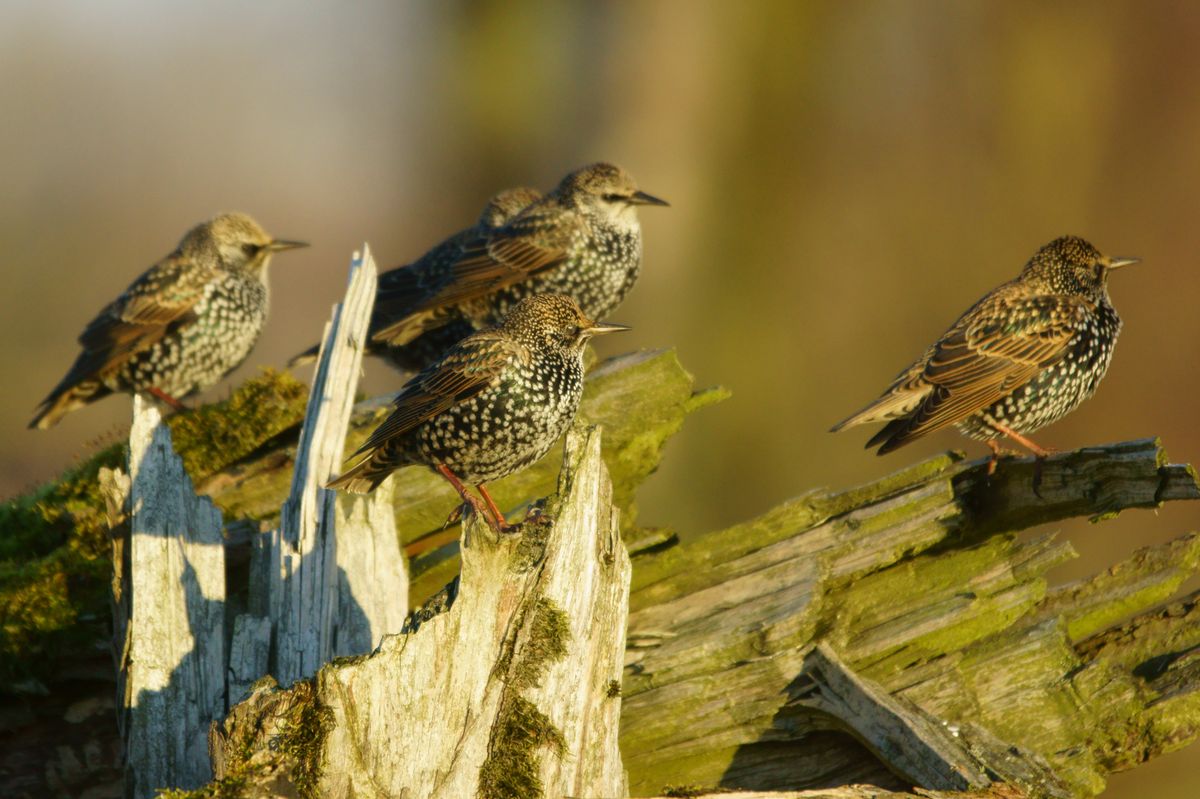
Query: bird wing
466,369
537,240
994,349
163,296
395,318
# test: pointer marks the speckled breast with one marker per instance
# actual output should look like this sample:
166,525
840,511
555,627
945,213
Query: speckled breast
598,275
197,353
508,427
1058,390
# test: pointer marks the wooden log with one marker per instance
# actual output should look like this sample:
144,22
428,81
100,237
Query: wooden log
507,688
919,585
172,676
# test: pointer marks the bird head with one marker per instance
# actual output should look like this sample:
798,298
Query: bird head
553,322
507,204
1073,266
608,191
240,243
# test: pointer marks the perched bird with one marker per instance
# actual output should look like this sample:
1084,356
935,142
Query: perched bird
1022,357
444,326
583,239
495,403
181,326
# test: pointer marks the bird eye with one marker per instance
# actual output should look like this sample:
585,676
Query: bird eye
616,198
251,250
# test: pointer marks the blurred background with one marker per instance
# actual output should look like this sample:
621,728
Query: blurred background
845,179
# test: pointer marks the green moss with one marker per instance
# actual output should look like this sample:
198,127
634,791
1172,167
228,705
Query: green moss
302,741
511,768
55,555
531,547
54,569
213,436
521,729
292,755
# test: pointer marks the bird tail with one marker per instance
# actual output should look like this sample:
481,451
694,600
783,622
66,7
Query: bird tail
365,476
893,435
65,399
306,357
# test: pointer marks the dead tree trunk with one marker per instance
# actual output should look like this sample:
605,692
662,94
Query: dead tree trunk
324,590
506,685
169,614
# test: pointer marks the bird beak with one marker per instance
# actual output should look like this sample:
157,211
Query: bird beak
281,244
642,198
600,329
1117,263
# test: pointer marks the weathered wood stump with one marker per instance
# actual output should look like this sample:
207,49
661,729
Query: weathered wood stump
506,685
169,617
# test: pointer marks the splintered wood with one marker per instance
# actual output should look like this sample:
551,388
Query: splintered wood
172,612
333,594
508,685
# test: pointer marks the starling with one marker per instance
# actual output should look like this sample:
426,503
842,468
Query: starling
443,327
180,327
1022,357
495,403
583,239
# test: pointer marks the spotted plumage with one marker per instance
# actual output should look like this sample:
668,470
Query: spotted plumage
181,326
583,239
1022,357
492,405
435,331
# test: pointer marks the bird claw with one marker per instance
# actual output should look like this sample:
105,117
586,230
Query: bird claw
1038,462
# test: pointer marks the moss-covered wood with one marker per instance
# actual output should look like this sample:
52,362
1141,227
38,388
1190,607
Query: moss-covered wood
55,559
921,585
918,582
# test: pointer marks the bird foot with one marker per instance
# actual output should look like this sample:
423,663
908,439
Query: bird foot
474,506
998,452
537,517
1038,462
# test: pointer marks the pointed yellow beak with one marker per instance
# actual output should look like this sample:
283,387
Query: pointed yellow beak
600,329
282,244
642,198
1117,263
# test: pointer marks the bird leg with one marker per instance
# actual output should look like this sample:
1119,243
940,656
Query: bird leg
996,453
501,523
1039,454
166,398
467,497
